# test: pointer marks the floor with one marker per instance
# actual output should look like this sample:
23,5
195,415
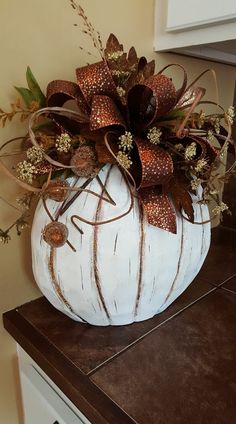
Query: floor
178,367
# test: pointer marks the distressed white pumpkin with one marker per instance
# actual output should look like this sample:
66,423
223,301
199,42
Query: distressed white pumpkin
123,271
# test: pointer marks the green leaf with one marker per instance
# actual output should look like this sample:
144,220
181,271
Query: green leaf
34,88
26,95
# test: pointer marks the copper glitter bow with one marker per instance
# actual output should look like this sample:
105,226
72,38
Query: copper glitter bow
126,115
147,99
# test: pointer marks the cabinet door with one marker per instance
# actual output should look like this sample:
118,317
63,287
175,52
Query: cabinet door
204,29
185,15
42,405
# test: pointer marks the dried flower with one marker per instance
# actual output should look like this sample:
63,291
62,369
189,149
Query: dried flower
201,119
4,237
126,141
230,114
24,201
196,183
179,147
220,208
119,73
190,151
213,192
224,150
25,171
154,135
201,164
21,224
124,160
114,55
120,91
217,126
210,136
63,143
35,154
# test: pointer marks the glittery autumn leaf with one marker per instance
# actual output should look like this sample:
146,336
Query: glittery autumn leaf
104,156
132,57
141,72
113,49
179,192
122,66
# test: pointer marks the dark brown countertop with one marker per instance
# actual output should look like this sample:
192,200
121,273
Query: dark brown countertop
178,367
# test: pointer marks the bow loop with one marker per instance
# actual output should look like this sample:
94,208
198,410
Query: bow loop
155,164
154,168
58,93
149,100
104,113
95,79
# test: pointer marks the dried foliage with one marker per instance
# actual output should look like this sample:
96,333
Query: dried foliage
88,29
22,222
137,120
17,109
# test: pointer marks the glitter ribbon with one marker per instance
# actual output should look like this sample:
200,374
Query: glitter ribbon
157,90
96,96
156,169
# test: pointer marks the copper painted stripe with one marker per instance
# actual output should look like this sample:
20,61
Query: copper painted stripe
179,262
141,258
203,230
55,283
95,249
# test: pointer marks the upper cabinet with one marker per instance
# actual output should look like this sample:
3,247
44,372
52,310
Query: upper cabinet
200,28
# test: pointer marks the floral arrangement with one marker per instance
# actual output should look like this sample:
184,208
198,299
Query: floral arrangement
126,115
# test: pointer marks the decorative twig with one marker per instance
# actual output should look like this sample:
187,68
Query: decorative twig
17,109
89,30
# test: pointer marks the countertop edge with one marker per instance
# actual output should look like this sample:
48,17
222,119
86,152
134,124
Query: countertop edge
81,391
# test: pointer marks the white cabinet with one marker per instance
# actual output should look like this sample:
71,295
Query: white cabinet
205,29
43,401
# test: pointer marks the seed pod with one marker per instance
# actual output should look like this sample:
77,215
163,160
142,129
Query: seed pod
84,162
55,234
56,190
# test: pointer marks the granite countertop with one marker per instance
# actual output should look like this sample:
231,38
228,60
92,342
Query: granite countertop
178,367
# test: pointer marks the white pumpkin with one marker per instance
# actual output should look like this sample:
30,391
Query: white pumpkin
123,271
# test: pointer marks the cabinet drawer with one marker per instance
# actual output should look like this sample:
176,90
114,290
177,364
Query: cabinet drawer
43,401
42,404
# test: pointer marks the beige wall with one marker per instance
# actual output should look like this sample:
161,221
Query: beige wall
41,34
